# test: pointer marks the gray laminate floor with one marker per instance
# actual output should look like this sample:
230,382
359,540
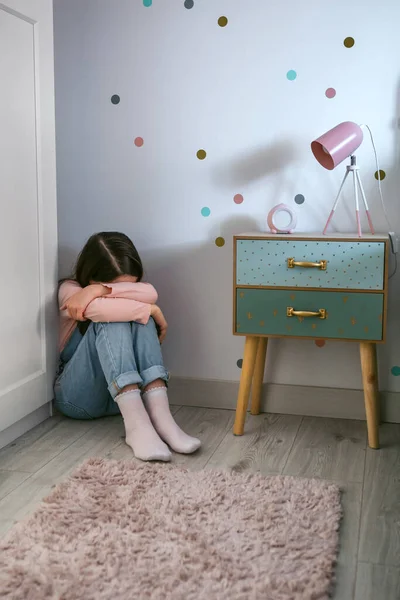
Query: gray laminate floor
332,449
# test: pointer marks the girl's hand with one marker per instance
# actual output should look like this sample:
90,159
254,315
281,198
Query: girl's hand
78,303
160,321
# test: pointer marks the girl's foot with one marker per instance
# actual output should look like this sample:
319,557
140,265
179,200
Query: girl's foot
157,406
140,433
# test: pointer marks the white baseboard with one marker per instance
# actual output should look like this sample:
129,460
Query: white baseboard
284,399
20,427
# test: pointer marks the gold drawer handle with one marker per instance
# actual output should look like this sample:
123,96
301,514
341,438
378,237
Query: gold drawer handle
321,314
291,263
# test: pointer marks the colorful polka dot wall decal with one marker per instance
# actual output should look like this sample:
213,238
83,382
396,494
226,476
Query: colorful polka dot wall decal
380,175
291,75
205,211
147,3
240,363
320,343
139,141
238,198
395,371
299,199
349,42
188,3
201,154
115,99
330,93
222,21
220,242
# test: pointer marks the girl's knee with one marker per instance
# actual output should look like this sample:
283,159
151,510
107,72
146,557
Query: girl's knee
117,326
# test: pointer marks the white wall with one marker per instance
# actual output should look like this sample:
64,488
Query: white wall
185,83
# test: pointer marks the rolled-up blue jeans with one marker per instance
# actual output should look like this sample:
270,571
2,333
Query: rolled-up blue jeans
95,367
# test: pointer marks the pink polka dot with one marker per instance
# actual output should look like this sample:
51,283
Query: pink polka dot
238,199
330,93
320,343
139,142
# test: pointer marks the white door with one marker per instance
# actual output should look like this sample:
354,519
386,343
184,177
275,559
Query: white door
28,228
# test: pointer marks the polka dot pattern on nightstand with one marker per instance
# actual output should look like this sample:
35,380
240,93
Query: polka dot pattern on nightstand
350,265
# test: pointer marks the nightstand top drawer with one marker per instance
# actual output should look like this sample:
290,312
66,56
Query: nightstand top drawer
313,261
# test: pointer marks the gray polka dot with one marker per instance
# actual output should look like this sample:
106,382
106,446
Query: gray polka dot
299,198
115,99
188,3
240,363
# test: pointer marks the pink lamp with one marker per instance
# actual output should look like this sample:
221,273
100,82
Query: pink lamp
332,148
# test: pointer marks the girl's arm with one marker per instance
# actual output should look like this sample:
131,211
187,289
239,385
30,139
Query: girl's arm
109,302
113,310
123,310
73,300
142,292
107,307
67,289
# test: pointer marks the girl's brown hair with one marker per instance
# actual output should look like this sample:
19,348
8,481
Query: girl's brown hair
104,257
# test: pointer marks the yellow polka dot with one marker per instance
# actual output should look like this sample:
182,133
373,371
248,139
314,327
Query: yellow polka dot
349,42
222,21
314,326
220,242
380,175
249,316
241,294
201,154
262,323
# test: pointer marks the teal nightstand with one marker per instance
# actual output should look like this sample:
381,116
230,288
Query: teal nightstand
313,287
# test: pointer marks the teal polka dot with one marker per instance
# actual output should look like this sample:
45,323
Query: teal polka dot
147,2
205,211
396,371
291,75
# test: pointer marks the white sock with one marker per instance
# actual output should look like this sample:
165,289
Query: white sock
140,433
157,405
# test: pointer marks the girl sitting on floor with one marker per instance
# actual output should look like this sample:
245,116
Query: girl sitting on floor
111,360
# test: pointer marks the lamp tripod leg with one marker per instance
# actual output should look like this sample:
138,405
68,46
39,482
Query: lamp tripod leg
357,204
335,203
365,202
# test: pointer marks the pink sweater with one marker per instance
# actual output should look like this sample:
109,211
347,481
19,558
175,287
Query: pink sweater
127,302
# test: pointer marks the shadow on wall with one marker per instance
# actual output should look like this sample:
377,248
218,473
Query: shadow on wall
257,164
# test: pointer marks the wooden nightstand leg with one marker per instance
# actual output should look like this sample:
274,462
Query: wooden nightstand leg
370,382
258,376
249,359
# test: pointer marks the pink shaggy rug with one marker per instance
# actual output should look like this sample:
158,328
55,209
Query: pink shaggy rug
120,530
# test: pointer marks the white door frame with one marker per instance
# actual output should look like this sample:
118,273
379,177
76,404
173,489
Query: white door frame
29,394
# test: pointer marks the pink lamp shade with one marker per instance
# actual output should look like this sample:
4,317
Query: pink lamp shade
337,144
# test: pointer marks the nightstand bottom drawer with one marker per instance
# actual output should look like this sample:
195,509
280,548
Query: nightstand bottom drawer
291,313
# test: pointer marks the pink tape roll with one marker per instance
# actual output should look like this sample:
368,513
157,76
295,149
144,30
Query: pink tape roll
281,208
